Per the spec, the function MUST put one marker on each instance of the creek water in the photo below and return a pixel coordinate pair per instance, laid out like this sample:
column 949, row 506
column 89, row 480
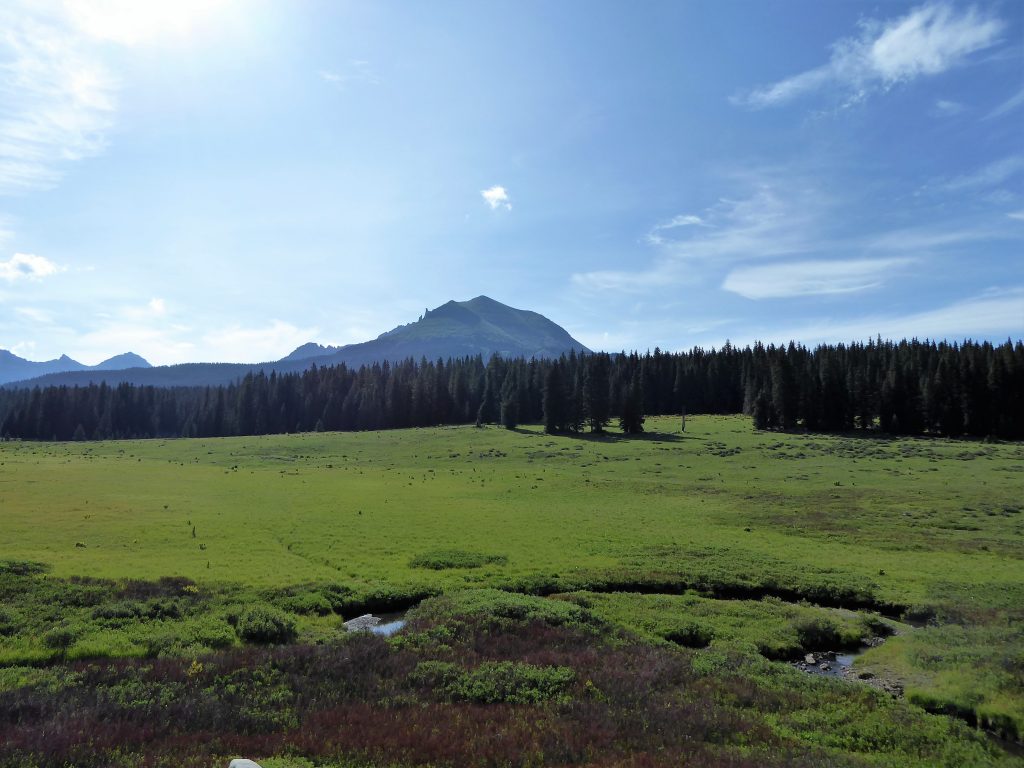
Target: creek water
column 836, row 664
column 389, row 623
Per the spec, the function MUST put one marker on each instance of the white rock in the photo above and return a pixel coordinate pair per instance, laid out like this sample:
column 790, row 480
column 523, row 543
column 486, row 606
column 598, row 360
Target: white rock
column 363, row 623
column 243, row 763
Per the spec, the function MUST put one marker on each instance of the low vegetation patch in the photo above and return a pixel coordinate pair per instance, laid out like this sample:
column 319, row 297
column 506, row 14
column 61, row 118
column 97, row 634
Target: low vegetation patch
column 537, row 688
column 441, row 559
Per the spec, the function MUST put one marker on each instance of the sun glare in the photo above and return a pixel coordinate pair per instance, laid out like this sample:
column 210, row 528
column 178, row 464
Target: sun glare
column 130, row 22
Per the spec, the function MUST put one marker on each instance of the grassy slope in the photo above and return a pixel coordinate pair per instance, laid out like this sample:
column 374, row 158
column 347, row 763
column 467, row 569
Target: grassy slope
column 286, row 509
column 916, row 521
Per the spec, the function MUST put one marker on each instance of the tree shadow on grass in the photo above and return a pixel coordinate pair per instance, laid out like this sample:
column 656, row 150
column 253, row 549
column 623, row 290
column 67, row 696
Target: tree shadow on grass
column 616, row 437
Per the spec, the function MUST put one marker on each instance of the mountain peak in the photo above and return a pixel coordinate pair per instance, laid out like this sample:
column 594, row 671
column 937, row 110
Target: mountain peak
column 480, row 326
column 122, row 361
column 14, row 368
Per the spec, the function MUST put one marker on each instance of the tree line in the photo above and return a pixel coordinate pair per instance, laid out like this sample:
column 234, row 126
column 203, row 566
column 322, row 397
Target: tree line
column 907, row 388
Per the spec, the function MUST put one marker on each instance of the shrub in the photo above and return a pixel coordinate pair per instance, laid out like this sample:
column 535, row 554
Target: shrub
column 307, row 603
column 512, row 682
column 124, row 609
column 60, row 638
column 163, row 609
column 691, row 635
column 500, row 606
column 502, row 682
column 214, row 635
column 8, row 623
column 262, row 624
column 817, row 633
column 442, row 559
column 23, row 567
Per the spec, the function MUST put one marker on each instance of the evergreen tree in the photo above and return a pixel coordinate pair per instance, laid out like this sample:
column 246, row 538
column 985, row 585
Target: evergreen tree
column 554, row 400
column 596, row 391
column 510, row 400
column 631, row 420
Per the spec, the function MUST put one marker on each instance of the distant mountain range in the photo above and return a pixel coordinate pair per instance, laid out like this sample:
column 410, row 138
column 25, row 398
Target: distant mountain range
column 480, row 326
column 14, row 368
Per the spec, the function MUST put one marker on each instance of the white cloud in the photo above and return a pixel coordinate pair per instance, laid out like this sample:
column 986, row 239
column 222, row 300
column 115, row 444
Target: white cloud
column 931, row 39
column 27, row 266
column 6, row 232
column 989, row 176
column 810, row 278
column 946, row 108
column 681, row 220
column 163, row 341
column 131, row 22
column 496, row 197
column 56, row 101
column 57, row 97
column 237, row 343
column 1007, row 106
column 624, row 282
column 158, row 306
column 775, row 218
column 357, row 71
column 35, row 314
column 930, row 238
column 1018, row 215
column 979, row 317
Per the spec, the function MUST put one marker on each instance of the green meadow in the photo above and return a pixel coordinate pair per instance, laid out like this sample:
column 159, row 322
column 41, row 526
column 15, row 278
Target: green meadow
column 720, row 538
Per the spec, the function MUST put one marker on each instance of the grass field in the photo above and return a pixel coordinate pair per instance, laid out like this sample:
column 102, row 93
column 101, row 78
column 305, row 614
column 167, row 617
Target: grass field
column 316, row 524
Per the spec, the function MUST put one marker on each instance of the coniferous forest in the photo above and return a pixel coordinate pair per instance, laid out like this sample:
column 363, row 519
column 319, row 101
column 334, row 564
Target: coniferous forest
column 905, row 388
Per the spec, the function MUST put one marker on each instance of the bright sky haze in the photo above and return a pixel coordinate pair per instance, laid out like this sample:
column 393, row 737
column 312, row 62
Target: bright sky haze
column 204, row 180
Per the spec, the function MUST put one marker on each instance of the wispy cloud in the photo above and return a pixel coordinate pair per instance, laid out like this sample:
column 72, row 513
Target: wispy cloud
column 782, row 215
column 810, row 278
column 131, row 22
column 164, row 339
column 36, row 315
column 978, row 317
column 930, row 39
column 56, row 100
column 1018, row 215
column 1007, row 106
column 27, row 266
column 356, row 72
column 774, row 218
column 947, row 108
column 991, row 175
column 930, row 238
column 496, row 197
column 681, row 220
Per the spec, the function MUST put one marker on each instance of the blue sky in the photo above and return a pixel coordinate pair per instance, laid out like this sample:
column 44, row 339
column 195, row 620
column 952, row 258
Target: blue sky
column 218, row 180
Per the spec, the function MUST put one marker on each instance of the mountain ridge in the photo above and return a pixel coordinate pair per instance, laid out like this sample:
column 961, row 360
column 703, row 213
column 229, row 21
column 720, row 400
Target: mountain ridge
column 14, row 368
column 479, row 326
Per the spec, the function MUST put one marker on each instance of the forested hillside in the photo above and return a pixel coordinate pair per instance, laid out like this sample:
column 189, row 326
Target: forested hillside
column 899, row 388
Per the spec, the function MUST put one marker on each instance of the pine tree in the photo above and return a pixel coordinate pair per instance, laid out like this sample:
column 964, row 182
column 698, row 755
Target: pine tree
column 510, row 400
column 596, row 391
column 554, row 401
column 631, row 420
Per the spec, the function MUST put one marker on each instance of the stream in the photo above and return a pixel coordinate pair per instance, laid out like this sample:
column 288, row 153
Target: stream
column 835, row 664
